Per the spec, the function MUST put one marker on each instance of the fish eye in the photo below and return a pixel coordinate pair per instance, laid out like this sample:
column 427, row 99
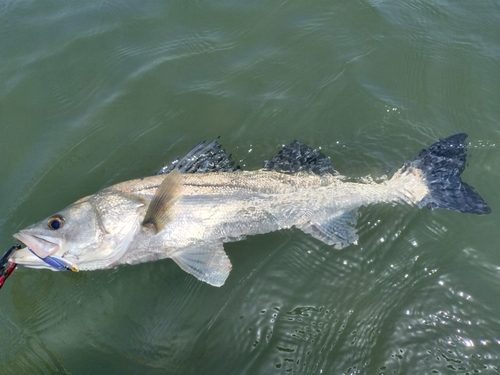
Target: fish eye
column 55, row 222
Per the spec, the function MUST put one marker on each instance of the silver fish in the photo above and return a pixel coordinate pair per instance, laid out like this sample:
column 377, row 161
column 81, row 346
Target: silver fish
column 197, row 203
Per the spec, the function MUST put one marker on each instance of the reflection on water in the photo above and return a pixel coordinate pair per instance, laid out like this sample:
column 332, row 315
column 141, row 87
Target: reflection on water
column 96, row 93
column 338, row 311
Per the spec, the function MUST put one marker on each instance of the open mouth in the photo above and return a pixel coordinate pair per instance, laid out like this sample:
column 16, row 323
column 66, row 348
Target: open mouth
column 38, row 254
column 42, row 246
column 27, row 258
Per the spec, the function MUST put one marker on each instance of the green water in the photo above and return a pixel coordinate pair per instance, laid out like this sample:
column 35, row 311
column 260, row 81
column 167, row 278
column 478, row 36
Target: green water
column 93, row 93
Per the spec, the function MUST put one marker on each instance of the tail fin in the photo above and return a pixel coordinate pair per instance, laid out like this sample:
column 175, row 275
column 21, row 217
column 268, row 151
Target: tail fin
column 442, row 164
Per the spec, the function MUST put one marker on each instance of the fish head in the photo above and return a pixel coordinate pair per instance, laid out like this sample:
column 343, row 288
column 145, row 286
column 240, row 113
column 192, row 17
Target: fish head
column 92, row 233
column 67, row 234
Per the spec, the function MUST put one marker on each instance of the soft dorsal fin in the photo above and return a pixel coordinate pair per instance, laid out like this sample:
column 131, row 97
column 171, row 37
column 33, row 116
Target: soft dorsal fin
column 160, row 210
column 208, row 262
column 201, row 159
column 299, row 157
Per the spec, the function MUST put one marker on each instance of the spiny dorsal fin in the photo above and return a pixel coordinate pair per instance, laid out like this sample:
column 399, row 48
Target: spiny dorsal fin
column 299, row 157
column 202, row 159
column 160, row 209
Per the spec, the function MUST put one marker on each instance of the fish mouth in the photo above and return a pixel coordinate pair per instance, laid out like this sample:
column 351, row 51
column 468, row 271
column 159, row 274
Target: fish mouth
column 39, row 251
column 42, row 246
column 28, row 259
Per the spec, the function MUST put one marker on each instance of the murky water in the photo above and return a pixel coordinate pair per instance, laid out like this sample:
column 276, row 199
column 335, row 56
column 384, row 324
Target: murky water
column 94, row 93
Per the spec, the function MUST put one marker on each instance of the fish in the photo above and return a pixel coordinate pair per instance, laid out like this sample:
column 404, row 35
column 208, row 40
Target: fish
column 192, row 206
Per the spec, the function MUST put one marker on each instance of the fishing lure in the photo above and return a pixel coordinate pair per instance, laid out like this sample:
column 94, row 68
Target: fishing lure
column 58, row 263
column 53, row 261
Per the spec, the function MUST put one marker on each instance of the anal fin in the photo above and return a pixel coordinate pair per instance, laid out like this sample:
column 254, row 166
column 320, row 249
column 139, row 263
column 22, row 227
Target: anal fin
column 338, row 231
column 207, row 262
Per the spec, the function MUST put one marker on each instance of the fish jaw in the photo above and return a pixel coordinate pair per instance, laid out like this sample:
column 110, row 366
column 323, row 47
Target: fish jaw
column 26, row 258
column 40, row 244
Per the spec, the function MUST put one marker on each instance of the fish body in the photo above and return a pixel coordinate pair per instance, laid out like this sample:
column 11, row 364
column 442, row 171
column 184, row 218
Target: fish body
column 188, row 216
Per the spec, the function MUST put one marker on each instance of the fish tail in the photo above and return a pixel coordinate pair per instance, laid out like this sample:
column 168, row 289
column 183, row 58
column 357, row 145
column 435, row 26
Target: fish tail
column 441, row 165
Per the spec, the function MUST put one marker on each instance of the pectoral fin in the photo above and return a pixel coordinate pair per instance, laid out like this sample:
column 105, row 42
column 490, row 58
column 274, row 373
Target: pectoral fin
column 207, row 262
column 160, row 210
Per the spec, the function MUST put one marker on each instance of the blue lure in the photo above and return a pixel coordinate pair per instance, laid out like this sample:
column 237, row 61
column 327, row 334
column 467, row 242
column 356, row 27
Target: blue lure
column 58, row 263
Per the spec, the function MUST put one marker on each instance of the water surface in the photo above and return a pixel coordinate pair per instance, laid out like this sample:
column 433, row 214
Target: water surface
column 93, row 93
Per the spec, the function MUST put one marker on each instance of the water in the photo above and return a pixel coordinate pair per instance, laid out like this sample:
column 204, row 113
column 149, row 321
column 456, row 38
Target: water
column 93, row 93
